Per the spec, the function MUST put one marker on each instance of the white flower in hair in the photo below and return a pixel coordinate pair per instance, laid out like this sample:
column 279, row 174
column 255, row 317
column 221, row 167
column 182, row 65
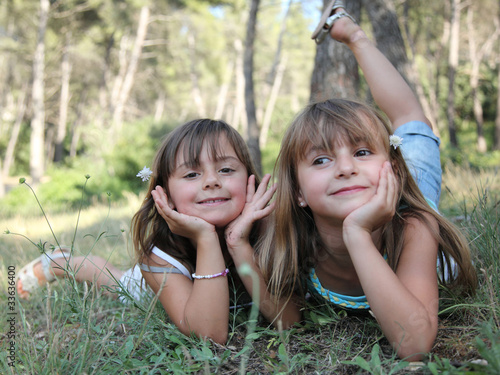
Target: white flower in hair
column 395, row 141
column 145, row 174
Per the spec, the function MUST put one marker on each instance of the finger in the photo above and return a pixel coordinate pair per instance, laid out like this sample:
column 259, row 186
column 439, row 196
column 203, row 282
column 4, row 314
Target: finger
column 265, row 182
column 394, row 193
column 265, row 211
column 263, row 192
column 250, row 188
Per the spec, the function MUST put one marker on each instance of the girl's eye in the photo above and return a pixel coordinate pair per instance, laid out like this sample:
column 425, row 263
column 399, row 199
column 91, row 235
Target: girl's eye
column 363, row 152
column 191, row 175
column 320, row 160
column 226, row 170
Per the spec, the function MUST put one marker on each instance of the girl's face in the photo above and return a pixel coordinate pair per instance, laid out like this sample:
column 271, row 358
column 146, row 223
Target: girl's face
column 213, row 190
column 334, row 183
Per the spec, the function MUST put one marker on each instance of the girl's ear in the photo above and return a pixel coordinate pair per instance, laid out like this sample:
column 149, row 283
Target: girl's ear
column 300, row 199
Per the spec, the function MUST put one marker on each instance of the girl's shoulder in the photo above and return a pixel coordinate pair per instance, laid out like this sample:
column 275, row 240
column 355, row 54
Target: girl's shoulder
column 159, row 261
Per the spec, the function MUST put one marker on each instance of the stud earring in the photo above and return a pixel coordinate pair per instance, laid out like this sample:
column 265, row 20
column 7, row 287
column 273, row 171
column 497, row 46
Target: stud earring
column 302, row 204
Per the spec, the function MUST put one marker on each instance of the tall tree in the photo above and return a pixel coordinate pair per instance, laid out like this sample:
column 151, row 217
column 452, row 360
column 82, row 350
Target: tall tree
column 387, row 33
column 37, row 158
column 456, row 7
column 335, row 71
column 253, row 127
column 496, row 142
column 128, row 79
column 64, row 100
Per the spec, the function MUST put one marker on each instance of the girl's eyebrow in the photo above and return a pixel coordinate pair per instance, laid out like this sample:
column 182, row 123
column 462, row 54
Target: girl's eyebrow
column 222, row 158
column 313, row 150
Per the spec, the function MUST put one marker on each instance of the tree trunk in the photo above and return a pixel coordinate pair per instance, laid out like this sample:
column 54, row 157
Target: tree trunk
column 64, row 100
column 37, row 160
column 452, row 69
column 266, row 124
column 414, row 76
column 496, row 141
column 104, row 95
column 239, row 112
column 75, row 129
column 128, row 81
column 224, row 88
column 387, row 33
column 335, row 72
column 193, row 74
column 9, row 153
column 253, row 128
column 160, row 106
column 476, row 58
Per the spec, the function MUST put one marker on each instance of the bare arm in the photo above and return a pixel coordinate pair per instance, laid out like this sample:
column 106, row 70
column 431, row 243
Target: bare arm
column 390, row 91
column 282, row 314
column 200, row 306
column 405, row 302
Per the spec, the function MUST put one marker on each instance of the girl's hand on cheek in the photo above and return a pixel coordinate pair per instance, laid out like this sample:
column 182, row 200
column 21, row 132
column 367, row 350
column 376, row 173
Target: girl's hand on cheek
column 183, row 225
column 256, row 208
column 380, row 208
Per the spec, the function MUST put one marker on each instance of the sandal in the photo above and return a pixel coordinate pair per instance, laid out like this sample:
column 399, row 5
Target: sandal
column 27, row 276
column 327, row 20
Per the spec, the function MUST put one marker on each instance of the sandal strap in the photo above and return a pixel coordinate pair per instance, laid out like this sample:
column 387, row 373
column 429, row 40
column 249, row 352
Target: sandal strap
column 329, row 23
column 46, row 259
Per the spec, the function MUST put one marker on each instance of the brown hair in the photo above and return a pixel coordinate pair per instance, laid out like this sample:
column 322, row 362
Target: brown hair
column 290, row 247
column 149, row 229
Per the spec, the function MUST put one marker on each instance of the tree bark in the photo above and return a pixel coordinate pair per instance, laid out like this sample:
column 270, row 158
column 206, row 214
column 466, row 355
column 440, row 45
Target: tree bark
column 37, row 160
column 128, row 80
column 239, row 110
column 414, row 76
column 193, row 74
column 224, row 88
column 9, row 153
column 253, row 128
column 335, row 73
column 64, row 101
column 266, row 124
column 496, row 141
column 476, row 57
column 387, row 34
column 452, row 69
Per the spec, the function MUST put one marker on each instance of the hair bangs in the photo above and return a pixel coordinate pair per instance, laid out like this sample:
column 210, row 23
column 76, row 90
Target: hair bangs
column 323, row 127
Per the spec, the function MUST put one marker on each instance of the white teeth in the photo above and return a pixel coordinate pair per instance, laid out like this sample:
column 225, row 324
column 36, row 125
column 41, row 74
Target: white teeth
column 214, row 201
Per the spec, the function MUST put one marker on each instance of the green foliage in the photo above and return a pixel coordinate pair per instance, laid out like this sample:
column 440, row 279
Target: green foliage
column 376, row 366
column 71, row 328
column 488, row 345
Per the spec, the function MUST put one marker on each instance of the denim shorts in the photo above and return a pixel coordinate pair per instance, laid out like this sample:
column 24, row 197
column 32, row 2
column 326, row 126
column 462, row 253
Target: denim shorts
column 421, row 151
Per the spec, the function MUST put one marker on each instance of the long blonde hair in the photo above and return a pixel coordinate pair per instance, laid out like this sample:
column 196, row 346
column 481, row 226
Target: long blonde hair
column 290, row 247
column 149, row 229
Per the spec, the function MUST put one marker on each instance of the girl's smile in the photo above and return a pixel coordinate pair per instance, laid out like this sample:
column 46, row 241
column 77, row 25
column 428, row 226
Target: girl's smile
column 333, row 183
column 349, row 190
column 213, row 190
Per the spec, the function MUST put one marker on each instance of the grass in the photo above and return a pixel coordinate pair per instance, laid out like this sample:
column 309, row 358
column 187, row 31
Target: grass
column 69, row 328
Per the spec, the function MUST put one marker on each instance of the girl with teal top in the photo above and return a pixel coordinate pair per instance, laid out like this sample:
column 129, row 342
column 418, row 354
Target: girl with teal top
column 351, row 224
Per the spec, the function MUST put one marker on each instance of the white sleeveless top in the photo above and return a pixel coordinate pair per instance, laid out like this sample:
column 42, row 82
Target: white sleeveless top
column 178, row 267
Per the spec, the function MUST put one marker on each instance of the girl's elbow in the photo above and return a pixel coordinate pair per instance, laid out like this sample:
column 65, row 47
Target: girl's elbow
column 416, row 348
column 218, row 337
column 413, row 353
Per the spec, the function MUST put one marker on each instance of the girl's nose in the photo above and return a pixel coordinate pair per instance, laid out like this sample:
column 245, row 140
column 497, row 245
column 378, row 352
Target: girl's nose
column 212, row 180
column 346, row 166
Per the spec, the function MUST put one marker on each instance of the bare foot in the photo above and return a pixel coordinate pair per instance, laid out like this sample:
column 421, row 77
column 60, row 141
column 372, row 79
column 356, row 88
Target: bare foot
column 345, row 30
column 39, row 274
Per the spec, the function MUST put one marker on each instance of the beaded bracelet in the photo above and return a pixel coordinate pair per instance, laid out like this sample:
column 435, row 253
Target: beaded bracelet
column 223, row 273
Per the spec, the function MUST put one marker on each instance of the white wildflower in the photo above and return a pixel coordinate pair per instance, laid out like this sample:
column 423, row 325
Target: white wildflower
column 145, row 174
column 395, row 141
